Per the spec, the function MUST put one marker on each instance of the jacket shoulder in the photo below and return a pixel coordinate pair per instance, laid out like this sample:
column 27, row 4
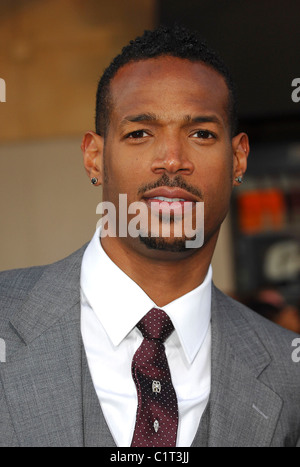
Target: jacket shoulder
column 278, row 342
column 262, row 326
column 17, row 284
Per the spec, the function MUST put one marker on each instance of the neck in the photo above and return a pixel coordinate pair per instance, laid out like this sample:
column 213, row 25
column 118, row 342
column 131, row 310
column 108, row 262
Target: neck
column 164, row 277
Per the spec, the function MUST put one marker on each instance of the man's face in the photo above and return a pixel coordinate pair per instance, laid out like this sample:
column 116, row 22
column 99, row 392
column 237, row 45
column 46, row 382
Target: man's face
column 169, row 138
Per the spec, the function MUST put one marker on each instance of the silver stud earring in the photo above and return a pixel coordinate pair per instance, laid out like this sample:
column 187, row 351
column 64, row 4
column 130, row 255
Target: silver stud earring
column 94, row 180
column 239, row 179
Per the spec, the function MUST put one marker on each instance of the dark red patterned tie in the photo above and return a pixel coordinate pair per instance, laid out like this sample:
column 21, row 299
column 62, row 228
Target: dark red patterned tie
column 157, row 412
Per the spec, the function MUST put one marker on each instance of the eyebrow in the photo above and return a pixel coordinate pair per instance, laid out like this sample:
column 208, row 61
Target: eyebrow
column 202, row 119
column 188, row 119
column 145, row 117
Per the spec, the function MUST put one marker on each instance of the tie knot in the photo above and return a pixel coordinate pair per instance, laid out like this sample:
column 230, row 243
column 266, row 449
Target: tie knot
column 156, row 324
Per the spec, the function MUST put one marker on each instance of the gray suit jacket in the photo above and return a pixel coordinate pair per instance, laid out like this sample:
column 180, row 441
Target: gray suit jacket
column 47, row 397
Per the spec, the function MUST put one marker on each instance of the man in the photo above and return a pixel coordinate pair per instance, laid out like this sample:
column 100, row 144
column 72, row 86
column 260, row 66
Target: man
column 84, row 366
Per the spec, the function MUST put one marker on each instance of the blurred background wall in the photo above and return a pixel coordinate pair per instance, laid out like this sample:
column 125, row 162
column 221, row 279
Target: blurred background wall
column 52, row 54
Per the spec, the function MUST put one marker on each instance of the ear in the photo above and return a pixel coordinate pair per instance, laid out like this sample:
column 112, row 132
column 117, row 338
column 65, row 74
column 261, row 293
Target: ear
column 92, row 150
column 241, row 149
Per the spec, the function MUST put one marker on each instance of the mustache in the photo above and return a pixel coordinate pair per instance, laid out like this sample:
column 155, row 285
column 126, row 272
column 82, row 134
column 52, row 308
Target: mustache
column 176, row 182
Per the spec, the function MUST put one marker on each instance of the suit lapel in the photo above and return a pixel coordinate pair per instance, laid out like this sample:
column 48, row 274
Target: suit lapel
column 243, row 411
column 42, row 377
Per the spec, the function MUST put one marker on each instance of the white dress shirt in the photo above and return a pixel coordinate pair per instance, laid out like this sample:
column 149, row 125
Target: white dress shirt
column 111, row 306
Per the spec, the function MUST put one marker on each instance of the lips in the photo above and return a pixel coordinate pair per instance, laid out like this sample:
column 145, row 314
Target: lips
column 169, row 195
column 167, row 199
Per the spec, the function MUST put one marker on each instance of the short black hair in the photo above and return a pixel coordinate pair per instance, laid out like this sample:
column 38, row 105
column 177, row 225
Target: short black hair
column 175, row 41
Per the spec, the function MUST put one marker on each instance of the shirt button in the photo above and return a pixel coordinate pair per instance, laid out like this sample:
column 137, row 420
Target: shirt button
column 156, row 426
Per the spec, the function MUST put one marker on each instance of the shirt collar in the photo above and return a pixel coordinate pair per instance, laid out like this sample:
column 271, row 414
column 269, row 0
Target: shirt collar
column 115, row 298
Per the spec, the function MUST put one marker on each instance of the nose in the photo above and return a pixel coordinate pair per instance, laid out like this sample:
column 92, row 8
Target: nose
column 172, row 157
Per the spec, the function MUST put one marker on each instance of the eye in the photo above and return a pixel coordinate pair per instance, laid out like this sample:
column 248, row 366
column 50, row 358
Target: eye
column 203, row 134
column 137, row 134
